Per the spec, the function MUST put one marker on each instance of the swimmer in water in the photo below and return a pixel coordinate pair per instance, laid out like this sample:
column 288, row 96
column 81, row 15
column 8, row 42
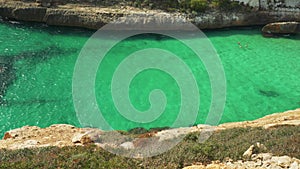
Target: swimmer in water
column 239, row 43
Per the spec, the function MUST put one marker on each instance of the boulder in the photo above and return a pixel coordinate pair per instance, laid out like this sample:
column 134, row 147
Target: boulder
column 90, row 136
column 281, row 28
column 282, row 161
column 294, row 165
column 248, row 153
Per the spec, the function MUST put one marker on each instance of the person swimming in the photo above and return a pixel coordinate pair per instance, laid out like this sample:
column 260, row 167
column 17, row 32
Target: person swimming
column 241, row 46
column 239, row 43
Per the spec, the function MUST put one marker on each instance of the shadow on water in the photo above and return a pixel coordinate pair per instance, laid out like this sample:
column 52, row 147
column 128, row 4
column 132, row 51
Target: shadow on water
column 269, row 93
column 52, row 30
column 29, row 102
column 8, row 72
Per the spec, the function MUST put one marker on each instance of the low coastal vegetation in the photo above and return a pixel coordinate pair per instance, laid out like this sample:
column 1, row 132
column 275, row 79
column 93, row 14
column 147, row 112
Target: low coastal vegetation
column 188, row 5
column 193, row 5
column 168, row 5
column 224, row 144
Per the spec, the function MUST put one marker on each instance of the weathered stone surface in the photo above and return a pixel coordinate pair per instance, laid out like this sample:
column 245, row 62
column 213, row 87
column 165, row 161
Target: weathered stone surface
column 26, row 144
column 68, row 135
column 260, row 147
column 277, row 119
column 32, row 136
column 282, row 28
column 263, row 156
column 90, row 136
column 294, row 165
column 19, row 132
column 283, row 161
column 54, row 12
column 36, row 14
column 127, row 145
column 248, row 153
column 173, row 133
column 278, row 163
column 283, row 123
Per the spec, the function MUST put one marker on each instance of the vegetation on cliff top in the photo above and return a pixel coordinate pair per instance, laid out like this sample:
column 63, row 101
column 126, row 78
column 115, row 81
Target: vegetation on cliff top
column 180, row 5
column 228, row 143
column 168, row 5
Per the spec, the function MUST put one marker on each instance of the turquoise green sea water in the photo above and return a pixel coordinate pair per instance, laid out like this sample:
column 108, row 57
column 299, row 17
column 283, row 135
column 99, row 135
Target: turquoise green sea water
column 262, row 76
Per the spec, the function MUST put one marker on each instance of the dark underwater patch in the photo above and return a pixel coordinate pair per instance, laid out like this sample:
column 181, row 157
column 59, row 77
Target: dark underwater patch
column 269, row 93
column 7, row 71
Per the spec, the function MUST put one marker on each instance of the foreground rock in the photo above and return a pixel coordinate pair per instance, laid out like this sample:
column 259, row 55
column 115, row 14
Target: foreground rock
column 261, row 161
column 282, row 28
column 67, row 135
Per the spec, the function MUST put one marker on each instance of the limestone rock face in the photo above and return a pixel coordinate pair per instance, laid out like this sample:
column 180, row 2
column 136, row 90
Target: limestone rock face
column 87, row 15
column 282, row 28
column 36, row 14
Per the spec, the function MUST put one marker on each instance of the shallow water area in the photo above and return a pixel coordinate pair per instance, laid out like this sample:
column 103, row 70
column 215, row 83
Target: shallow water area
column 262, row 75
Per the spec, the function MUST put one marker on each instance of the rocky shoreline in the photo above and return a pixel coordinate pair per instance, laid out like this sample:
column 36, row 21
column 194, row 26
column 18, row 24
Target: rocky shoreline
column 94, row 17
column 66, row 135
column 61, row 135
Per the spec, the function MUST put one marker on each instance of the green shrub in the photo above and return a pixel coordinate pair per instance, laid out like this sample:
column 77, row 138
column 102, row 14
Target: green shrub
column 199, row 5
column 228, row 5
column 184, row 4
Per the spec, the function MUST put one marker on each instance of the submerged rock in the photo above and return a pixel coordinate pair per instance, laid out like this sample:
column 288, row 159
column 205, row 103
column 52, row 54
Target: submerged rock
column 269, row 93
column 6, row 76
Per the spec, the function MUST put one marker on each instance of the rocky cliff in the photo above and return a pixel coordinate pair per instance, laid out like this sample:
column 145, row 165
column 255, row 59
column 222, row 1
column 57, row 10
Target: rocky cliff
column 93, row 17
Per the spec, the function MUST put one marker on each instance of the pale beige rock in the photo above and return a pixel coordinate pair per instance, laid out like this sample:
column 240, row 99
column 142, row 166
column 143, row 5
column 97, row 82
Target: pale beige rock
column 261, row 147
column 127, row 145
column 251, row 164
column 291, row 117
column 283, row 161
column 173, row 133
column 213, row 166
column 283, row 123
column 195, row 167
column 263, row 156
column 90, row 136
column 248, row 152
column 55, row 135
column 294, row 165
